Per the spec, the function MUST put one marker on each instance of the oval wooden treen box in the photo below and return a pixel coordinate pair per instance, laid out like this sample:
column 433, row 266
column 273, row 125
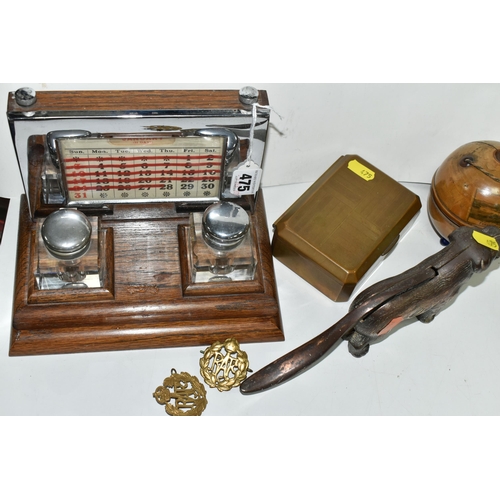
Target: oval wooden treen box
column 465, row 189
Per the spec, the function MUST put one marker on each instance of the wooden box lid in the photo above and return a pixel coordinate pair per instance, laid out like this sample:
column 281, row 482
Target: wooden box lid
column 342, row 225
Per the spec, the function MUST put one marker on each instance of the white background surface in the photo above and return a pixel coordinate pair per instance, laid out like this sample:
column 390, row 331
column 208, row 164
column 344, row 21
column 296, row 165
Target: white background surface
column 448, row 367
column 356, row 41
column 421, row 370
column 407, row 130
column 392, row 379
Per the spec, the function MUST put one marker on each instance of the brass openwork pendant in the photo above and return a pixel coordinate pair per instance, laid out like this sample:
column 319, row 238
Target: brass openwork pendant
column 224, row 365
column 182, row 394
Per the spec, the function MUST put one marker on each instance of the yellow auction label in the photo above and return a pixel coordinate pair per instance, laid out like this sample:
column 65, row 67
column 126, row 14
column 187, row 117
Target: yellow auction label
column 485, row 240
column 359, row 169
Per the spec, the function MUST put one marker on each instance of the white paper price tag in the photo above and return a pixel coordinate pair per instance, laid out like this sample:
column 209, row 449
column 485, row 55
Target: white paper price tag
column 246, row 179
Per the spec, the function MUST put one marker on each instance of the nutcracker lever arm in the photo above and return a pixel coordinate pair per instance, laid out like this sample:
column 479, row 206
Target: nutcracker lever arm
column 310, row 353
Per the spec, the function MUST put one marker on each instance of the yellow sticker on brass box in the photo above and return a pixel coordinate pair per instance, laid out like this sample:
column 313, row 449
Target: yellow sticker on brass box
column 359, row 169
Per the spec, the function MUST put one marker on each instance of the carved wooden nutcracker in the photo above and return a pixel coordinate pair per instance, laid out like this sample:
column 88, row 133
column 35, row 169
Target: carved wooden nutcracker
column 420, row 292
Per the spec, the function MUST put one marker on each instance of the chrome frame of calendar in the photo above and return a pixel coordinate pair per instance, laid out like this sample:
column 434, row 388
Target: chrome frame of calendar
column 234, row 125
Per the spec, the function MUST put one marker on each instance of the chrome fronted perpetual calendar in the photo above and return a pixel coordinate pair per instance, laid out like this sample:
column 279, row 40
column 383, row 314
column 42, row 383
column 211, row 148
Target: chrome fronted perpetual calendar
column 97, row 170
column 125, row 199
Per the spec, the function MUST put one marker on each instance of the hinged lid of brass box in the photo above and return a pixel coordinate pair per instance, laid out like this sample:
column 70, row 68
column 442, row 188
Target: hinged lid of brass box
column 342, row 225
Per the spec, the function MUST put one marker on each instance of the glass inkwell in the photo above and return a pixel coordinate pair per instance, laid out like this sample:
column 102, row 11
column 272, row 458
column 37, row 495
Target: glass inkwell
column 221, row 245
column 68, row 251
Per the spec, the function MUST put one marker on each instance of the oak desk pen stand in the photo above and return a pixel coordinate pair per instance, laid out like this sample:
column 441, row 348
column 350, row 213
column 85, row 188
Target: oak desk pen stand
column 117, row 187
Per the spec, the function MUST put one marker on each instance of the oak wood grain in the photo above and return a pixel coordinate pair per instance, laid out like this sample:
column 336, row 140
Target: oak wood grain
column 146, row 299
column 133, row 100
column 145, row 306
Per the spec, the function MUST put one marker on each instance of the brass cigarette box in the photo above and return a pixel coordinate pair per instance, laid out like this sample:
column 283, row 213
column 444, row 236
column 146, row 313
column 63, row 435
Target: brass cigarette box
column 346, row 222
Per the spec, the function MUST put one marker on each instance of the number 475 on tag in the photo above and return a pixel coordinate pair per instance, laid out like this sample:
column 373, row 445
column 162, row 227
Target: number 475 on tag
column 246, row 180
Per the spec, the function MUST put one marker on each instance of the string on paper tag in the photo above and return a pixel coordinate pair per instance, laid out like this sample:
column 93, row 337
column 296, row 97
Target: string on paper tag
column 247, row 175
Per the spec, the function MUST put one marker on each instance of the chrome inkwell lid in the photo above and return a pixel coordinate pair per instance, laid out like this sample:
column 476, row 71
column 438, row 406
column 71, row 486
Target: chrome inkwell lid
column 224, row 226
column 66, row 234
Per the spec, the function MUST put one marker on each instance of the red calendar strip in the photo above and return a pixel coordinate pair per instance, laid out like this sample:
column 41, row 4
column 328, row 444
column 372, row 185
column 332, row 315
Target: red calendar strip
column 119, row 187
column 140, row 158
column 135, row 166
column 141, row 174
column 83, row 179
